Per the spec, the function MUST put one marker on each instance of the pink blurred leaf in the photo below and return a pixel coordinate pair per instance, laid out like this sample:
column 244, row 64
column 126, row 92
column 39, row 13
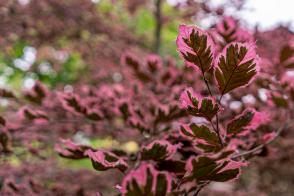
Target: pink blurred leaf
column 104, row 160
column 146, row 180
column 37, row 93
column 69, row 149
column 30, row 114
column 230, row 31
column 158, row 150
column 72, row 103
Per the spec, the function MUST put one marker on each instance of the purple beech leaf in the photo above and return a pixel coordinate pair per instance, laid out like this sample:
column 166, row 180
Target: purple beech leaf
column 229, row 29
column 231, row 171
column 30, row 114
column 154, row 63
column 124, row 109
column 278, row 100
column 227, row 26
column 202, row 169
column 146, row 180
column 202, row 136
column 287, row 56
column 137, row 123
column 71, row 150
column 103, row 160
column 6, row 93
column 37, row 93
column 94, row 115
column 72, row 103
column 196, row 47
column 199, row 106
column 240, row 123
column 158, row 150
column 236, row 66
column 249, row 119
column 5, row 141
column 186, row 148
column 173, row 166
column 2, row 121
column 132, row 61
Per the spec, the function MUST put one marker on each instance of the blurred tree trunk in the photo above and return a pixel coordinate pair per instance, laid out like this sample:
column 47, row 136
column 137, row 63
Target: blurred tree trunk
column 158, row 27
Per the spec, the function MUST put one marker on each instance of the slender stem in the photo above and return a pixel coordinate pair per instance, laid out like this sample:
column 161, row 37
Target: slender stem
column 200, row 188
column 217, row 119
column 262, row 145
column 198, row 191
column 220, row 99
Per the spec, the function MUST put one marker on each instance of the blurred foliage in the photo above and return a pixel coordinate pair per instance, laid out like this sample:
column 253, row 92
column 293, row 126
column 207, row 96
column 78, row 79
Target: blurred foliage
column 15, row 68
column 99, row 143
column 141, row 23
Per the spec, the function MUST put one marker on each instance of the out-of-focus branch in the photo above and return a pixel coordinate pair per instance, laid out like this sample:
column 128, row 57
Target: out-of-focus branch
column 158, row 27
column 281, row 129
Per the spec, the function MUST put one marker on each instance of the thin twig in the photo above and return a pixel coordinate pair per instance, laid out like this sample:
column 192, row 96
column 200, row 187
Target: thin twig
column 217, row 121
column 262, row 145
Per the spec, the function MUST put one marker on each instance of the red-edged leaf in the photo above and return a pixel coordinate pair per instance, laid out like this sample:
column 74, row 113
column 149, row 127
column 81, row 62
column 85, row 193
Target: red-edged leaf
column 158, row 150
column 230, row 172
column 71, row 150
column 30, row 114
column 130, row 60
column 249, row 119
column 203, row 137
column 240, row 123
column 236, row 66
column 203, row 169
column 199, row 106
column 154, row 63
column 196, row 47
column 73, row 103
column 103, row 160
column 146, row 180
column 229, row 29
column 37, row 93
